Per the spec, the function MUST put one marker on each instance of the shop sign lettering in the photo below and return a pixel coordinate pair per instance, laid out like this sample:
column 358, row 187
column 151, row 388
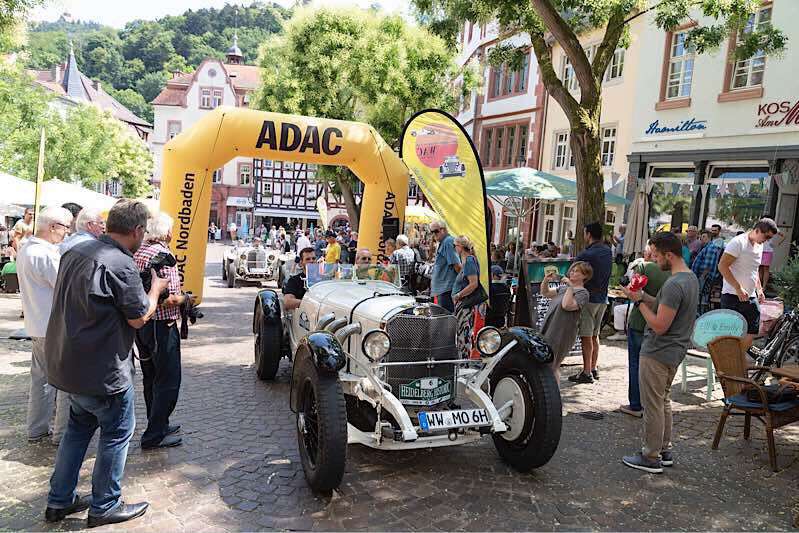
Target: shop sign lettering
column 656, row 128
column 776, row 114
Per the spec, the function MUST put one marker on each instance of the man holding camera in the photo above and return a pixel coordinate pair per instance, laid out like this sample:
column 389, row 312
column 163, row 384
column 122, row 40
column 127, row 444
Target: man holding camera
column 159, row 340
column 98, row 304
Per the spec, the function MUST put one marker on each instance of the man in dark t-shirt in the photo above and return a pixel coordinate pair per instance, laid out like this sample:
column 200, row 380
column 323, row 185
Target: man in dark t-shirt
column 98, row 303
column 294, row 288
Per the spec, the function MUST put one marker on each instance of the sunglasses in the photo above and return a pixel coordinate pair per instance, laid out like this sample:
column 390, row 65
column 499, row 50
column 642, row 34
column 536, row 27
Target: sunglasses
column 62, row 225
column 436, row 231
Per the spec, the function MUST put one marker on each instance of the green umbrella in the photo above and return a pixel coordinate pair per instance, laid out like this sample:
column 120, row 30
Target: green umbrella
column 526, row 182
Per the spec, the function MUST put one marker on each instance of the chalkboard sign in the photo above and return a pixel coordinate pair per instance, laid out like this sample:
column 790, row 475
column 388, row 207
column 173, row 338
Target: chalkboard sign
column 718, row 323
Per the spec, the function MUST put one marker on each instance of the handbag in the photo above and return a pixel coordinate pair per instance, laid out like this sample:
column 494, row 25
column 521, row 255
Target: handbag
column 774, row 394
column 477, row 297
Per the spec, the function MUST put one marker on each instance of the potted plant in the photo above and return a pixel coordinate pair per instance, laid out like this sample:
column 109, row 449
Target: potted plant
column 786, row 281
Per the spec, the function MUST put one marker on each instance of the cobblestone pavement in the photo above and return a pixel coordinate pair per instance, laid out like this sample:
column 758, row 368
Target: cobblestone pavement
column 238, row 468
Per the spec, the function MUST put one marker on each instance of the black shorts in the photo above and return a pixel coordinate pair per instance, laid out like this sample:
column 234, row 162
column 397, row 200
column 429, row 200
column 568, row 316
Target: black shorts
column 749, row 309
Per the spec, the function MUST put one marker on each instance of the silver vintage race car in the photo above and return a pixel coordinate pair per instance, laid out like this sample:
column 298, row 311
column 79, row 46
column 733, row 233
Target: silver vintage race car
column 374, row 366
column 248, row 261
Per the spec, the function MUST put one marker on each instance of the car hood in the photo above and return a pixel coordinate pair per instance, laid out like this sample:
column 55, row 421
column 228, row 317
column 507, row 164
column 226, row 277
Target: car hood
column 372, row 300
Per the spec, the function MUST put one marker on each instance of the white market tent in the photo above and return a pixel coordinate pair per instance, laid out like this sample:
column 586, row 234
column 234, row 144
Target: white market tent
column 18, row 191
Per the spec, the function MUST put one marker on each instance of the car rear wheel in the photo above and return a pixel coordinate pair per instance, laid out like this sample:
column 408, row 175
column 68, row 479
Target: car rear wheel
column 528, row 398
column 224, row 270
column 321, row 427
column 268, row 351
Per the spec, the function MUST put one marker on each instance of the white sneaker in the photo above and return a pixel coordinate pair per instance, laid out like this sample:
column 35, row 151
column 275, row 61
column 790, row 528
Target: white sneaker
column 619, row 336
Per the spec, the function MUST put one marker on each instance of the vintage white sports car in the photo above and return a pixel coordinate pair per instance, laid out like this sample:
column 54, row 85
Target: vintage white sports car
column 374, row 366
column 451, row 167
column 247, row 262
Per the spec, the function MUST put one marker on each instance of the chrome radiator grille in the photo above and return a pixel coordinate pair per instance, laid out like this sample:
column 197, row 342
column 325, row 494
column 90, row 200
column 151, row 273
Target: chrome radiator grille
column 419, row 338
column 256, row 259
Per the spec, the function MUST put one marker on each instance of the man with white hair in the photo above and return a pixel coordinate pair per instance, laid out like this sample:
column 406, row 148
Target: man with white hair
column 446, row 267
column 404, row 258
column 89, row 224
column 159, row 341
column 37, row 270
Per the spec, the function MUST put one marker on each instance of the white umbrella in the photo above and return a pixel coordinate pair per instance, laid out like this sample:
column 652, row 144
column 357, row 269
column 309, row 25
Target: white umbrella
column 638, row 219
column 57, row 192
column 16, row 190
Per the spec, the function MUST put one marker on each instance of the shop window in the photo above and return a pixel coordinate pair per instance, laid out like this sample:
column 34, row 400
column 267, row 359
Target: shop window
column 749, row 72
column 562, row 153
column 216, row 177
column 681, row 66
column 616, row 66
column 736, row 198
column 608, row 146
column 245, row 173
column 205, row 98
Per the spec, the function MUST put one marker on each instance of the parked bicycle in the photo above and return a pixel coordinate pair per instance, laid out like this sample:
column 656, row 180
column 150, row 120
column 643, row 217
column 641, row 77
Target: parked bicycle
column 781, row 347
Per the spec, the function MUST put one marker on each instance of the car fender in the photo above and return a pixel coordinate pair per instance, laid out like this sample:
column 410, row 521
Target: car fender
column 268, row 302
column 531, row 342
column 326, row 353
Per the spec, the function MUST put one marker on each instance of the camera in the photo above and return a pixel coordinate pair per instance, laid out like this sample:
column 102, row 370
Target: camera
column 624, row 281
column 158, row 262
column 189, row 313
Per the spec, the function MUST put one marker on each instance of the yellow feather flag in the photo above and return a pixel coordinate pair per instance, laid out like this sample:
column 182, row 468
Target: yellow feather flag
column 447, row 168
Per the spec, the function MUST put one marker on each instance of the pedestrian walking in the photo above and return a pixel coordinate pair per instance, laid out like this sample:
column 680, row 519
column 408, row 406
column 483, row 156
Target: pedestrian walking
column 739, row 267
column 636, row 325
column 446, row 268
column 212, row 232
column 599, row 256
column 89, row 341
column 303, row 241
column 232, row 229
column 466, row 283
column 159, row 341
column 670, row 320
column 37, row 271
column 352, row 245
column 559, row 329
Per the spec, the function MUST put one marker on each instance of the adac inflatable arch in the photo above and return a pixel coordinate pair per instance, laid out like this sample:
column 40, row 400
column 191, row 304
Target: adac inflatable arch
column 191, row 157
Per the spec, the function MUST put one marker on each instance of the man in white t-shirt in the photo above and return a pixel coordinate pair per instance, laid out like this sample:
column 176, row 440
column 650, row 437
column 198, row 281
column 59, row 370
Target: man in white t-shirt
column 37, row 269
column 739, row 266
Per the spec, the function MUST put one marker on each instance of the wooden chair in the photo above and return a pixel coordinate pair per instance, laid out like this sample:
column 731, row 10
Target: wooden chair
column 733, row 371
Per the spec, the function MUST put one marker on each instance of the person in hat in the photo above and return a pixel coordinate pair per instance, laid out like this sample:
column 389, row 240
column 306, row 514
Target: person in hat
column 333, row 252
column 500, row 297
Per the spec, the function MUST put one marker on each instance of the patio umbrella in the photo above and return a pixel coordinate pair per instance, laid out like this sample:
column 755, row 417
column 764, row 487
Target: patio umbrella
column 637, row 219
column 16, row 190
column 420, row 214
column 56, row 192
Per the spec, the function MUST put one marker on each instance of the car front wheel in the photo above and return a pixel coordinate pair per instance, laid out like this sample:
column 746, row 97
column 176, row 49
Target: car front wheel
column 321, row 427
column 267, row 348
column 231, row 275
column 224, row 270
column 528, row 398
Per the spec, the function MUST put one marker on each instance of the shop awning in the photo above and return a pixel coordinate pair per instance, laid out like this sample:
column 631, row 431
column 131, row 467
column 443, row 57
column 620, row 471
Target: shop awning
column 281, row 213
column 526, row 182
column 239, row 201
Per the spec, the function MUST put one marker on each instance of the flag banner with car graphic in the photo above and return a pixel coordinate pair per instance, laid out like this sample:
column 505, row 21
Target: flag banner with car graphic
column 447, row 168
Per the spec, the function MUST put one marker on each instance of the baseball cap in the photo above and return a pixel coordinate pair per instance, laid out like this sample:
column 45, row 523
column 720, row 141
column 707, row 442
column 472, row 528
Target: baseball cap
column 496, row 270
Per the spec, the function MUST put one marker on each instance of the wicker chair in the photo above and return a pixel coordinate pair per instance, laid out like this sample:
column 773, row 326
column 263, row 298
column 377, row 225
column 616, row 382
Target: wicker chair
column 733, row 371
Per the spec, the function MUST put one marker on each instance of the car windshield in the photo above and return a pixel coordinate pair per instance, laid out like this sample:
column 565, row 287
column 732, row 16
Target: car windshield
column 317, row 272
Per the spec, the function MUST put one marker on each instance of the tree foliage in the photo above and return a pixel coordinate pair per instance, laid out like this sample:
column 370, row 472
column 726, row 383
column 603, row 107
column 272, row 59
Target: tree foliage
column 355, row 65
column 562, row 21
column 83, row 144
column 142, row 55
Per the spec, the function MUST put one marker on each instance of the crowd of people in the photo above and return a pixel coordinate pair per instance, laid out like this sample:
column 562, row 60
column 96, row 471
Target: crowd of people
column 93, row 287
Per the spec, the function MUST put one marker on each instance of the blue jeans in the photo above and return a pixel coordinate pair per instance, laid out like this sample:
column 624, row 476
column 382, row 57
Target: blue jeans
column 115, row 417
column 159, row 346
column 634, row 340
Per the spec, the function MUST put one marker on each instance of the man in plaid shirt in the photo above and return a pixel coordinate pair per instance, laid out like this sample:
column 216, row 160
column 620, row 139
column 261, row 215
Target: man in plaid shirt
column 159, row 342
column 706, row 268
column 404, row 258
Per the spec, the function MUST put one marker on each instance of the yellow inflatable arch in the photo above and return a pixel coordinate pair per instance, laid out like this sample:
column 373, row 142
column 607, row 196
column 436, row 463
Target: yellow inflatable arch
column 191, row 157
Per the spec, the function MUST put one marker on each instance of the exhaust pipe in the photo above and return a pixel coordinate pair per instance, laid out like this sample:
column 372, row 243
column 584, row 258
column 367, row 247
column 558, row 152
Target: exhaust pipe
column 336, row 325
column 324, row 320
column 348, row 331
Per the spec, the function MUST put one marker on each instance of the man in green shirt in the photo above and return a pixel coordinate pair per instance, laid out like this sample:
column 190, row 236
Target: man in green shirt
column 636, row 326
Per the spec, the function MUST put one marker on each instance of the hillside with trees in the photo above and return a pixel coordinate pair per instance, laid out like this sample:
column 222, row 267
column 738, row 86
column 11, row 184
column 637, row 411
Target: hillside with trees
column 135, row 62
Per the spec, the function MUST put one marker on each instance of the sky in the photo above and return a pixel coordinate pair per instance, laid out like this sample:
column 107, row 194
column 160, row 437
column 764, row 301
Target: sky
column 117, row 14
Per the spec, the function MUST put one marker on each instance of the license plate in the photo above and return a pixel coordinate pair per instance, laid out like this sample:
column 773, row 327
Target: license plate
column 434, row 420
column 257, row 271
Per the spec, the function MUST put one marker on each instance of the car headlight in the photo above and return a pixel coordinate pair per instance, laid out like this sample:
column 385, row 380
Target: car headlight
column 489, row 341
column 376, row 345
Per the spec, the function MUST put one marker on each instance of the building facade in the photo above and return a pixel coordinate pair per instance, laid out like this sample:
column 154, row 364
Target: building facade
column 503, row 118
column 718, row 138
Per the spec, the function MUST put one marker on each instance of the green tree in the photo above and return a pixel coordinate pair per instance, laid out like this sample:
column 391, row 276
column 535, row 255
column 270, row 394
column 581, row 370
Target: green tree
column 102, row 57
column 146, row 40
column 151, row 84
column 563, row 21
column 355, row 65
column 133, row 101
column 12, row 12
